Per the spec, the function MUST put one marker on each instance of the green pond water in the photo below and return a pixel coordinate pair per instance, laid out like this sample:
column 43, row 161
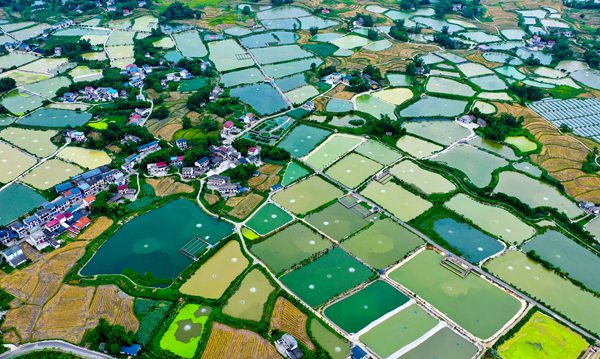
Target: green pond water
column 436, row 24
column 489, row 83
column 337, row 105
column 19, row 103
column 16, row 200
column 327, row 276
column 15, row 59
column 337, row 221
column 344, row 121
column 431, row 106
column 525, row 53
column 293, row 172
column 480, row 36
column 54, row 117
column 443, row 344
column 292, row 67
column 510, row 71
column 559, row 293
column 448, row 86
column 382, row 244
column 281, row 24
column 349, row 42
column 444, row 132
column 262, row 97
column 282, row 12
column 303, row 139
column 268, row 218
column 270, row 55
column 528, row 168
column 417, row 147
column 156, row 237
column 398, row 80
column 474, row 245
column 426, row 181
column 563, row 252
column 290, row 246
column 502, row 58
column 513, row 34
column 477, row 165
column 378, row 152
column 291, row 82
column 245, row 76
column 406, row 326
column 494, row 147
column 353, row 169
column 190, row 44
column 535, row 193
column 494, row 220
column 522, row 143
column 335, row 346
column 272, row 38
column 335, row 147
column 355, row 312
column 478, row 306
column 374, row 106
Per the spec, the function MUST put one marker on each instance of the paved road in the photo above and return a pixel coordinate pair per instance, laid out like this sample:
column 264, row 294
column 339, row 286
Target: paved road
column 57, row 345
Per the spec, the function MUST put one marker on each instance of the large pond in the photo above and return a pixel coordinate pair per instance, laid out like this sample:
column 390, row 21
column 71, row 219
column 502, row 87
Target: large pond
column 157, row 237
column 431, row 106
column 448, row 86
column 190, row 44
column 489, row 83
column 473, row 244
column 374, row 106
column 444, row 132
column 563, row 252
column 246, row 76
column 443, row 344
column 262, row 97
column 303, row 139
column 17, row 200
column 426, row 181
column 477, row 165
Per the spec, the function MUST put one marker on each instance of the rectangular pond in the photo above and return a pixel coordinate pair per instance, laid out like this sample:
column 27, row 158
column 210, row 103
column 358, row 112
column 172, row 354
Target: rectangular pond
column 190, row 44
column 443, row 344
column 307, row 195
column 13, row 162
column 430, row 106
column 425, row 181
column 302, row 139
column 270, row 55
column 335, row 147
column 337, row 221
column 378, row 152
column 263, row 98
column 53, row 117
column 353, row 169
column 267, row 219
column 398, row 201
column 17, row 199
column 156, row 237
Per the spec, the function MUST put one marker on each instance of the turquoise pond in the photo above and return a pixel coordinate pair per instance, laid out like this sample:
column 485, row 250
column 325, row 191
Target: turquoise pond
column 474, row 245
column 151, row 243
column 337, row 105
column 54, row 117
column 16, row 200
column 303, row 139
column 262, row 97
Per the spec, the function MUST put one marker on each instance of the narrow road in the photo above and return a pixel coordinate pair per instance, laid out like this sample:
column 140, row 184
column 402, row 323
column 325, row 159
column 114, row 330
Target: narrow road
column 57, row 345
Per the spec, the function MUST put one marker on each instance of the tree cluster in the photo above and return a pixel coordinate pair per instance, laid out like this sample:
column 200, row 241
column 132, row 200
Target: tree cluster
column 179, row 11
column 590, row 165
column 525, row 92
column 367, row 20
column 7, row 83
column 241, row 173
column 385, row 127
column 497, row 128
column 114, row 336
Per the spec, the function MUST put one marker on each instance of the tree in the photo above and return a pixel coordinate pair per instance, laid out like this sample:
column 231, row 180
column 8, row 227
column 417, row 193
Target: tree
column 198, row 99
column 199, row 150
column 532, row 61
column 564, row 128
column 275, row 154
column 114, row 336
column 246, row 10
column 385, row 127
column 498, row 127
column 590, row 165
column 242, row 173
column 373, row 72
column 561, row 49
column 7, row 83
column 208, row 125
column 592, row 57
column 442, row 8
column 186, row 123
column 327, row 70
column 243, row 144
column 525, row 92
column 372, row 35
column 178, row 11
column 161, row 113
column 313, row 30
column 409, row 4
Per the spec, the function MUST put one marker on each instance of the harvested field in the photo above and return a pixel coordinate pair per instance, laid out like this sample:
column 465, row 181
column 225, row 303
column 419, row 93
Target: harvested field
column 166, row 186
column 97, row 228
column 247, row 204
column 211, row 198
column 227, row 342
column 267, row 178
column 286, row 317
column 45, row 308
column 393, row 58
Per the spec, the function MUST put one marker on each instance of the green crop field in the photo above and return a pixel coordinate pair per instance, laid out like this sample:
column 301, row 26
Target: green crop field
column 184, row 333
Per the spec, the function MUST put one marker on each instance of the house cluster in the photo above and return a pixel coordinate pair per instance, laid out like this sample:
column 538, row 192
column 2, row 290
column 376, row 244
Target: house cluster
column 138, row 115
column 182, row 74
column 471, row 119
column 215, row 94
column 89, row 93
column 222, row 157
column 63, row 24
column 536, row 43
column 223, row 185
column 142, row 151
column 287, row 346
column 136, row 74
column 590, row 207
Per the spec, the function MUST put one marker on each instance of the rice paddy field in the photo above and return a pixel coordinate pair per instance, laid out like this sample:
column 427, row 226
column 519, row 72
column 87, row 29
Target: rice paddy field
column 184, row 332
column 582, row 307
column 494, row 220
column 302, row 139
column 444, row 343
column 292, row 173
column 477, row 165
column 248, row 301
column 50, row 173
column 407, row 325
column 535, row 193
column 13, row 162
column 378, row 152
column 53, row 117
column 543, row 337
column 84, row 157
column 35, row 142
column 268, row 218
column 325, row 277
column 353, row 169
column 355, row 312
column 290, row 246
column 398, row 201
column 444, row 132
column 332, row 149
column 426, row 181
column 11, row 209
column 466, row 301
column 578, row 262
column 417, row 147
column 337, row 221
column 335, row 346
column 307, row 195
column 382, row 244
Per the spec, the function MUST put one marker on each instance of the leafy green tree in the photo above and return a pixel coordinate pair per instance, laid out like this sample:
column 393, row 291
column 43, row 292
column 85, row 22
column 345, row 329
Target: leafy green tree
column 246, row 10
column 179, row 11
column 373, row 35
column 7, row 83
column 314, row 30
column 161, row 113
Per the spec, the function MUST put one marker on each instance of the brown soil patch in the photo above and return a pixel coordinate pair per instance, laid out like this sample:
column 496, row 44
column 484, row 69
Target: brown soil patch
column 246, row 206
column 255, row 181
column 270, row 169
column 100, row 225
column 114, row 149
column 227, row 342
column 166, row 186
column 169, row 130
column 286, row 317
column 45, row 308
column 211, row 198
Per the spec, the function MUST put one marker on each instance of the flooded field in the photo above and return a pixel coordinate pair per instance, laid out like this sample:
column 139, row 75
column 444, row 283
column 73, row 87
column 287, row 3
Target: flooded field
column 228, row 55
column 337, row 221
column 491, row 219
column 217, row 273
column 356, row 311
column 382, row 244
column 400, row 202
column 156, row 237
column 494, row 147
column 190, row 44
column 50, row 173
column 426, row 181
column 13, row 162
column 248, row 301
column 327, row 276
column 11, row 209
column 307, row 195
column 522, row 143
column 19, row 102
column 290, row 246
column 267, row 219
column 514, row 267
column 395, row 96
column 464, row 300
column 35, row 142
column 332, row 149
column 475, row 164
column 353, row 169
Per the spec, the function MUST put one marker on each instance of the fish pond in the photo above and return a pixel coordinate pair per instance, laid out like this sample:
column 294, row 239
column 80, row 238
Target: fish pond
column 12, row 209
column 13, row 162
column 467, row 301
column 332, row 149
column 53, row 117
column 417, row 147
column 382, row 244
column 156, row 237
column 292, row 173
column 307, row 195
column 443, row 344
column 353, row 169
column 448, row 86
column 190, row 44
column 477, row 165
column 444, row 132
column 262, row 97
column 376, row 151
column 269, row 218
column 401, row 203
column 426, row 181
column 430, row 106
column 249, row 300
column 302, row 139
column 374, row 106
column 333, row 344
column 337, row 221
column 327, row 276
column 184, row 332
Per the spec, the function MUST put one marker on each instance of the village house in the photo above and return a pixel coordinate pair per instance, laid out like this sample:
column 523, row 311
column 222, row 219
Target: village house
column 203, row 164
column 215, row 94
column 287, row 346
column 191, row 172
column 14, row 256
column 130, row 162
column 182, row 144
column 223, row 185
column 148, row 148
column 248, row 118
column 130, row 138
column 76, row 136
column 176, row 161
column 158, row 169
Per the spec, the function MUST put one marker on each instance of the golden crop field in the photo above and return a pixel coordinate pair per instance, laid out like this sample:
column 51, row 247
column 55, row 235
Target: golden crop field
column 100, row 225
column 286, row 317
column 166, row 186
column 227, row 342
column 248, row 203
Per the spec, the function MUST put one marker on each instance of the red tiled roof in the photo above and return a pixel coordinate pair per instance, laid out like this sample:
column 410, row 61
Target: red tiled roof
column 228, row 124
